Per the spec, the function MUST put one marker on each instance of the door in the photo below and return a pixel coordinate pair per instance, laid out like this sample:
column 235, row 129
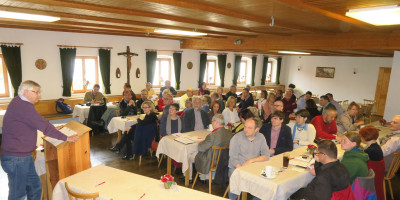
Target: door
column 382, row 88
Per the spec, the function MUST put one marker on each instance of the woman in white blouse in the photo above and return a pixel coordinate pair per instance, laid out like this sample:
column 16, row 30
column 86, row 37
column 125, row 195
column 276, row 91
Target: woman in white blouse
column 261, row 101
column 230, row 113
column 302, row 133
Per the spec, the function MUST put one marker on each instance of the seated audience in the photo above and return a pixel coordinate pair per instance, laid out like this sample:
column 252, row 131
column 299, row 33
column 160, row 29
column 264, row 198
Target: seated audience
column 167, row 99
column 296, row 91
column 312, row 108
column 169, row 87
column 161, row 105
column 243, row 116
column 278, row 135
column 268, row 106
column 278, row 95
column 219, row 137
column 182, row 100
column 127, row 106
column 129, row 133
column 369, row 136
column 188, row 105
column 336, row 104
column 247, row 147
column 215, row 109
column 203, row 90
column 220, row 90
column 128, row 86
column 301, row 102
column 149, row 88
column 143, row 97
column 254, row 110
column 195, row 119
column 232, row 92
column 206, row 101
column 391, row 143
column 246, row 99
column 325, row 125
column 215, row 97
column 261, row 102
column 348, row 121
column 354, row 159
column 230, row 113
column 324, row 102
column 289, row 104
column 278, row 105
column 172, row 123
column 330, row 175
column 303, row 133
column 94, row 96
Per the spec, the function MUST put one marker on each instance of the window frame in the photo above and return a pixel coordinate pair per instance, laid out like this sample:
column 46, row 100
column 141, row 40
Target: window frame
column 84, row 72
column 5, row 73
column 215, row 72
column 245, row 72
column 159, row 71
column 272, row 71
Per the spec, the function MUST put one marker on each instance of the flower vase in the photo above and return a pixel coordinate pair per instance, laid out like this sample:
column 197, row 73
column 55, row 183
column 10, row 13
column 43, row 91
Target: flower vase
column 167, row 186
column 312, row 152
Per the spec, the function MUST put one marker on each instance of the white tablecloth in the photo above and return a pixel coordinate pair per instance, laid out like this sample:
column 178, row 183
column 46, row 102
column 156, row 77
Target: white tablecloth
column 120, row 184
column 118, row 123
column 248, row 178
column 83, row 111
column 178, row 151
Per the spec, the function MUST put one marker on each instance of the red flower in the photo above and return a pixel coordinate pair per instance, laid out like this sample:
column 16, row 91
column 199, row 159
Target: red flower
column 170, row 179
column 164, row 180
column 167, row 176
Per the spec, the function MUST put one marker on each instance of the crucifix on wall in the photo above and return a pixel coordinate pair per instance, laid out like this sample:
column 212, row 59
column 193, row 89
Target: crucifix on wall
column 128, row 54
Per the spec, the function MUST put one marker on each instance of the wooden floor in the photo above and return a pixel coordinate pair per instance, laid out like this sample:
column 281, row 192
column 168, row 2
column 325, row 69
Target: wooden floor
column 101, row 155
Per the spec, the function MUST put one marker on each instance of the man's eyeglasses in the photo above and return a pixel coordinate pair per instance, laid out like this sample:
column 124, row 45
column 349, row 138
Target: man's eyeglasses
column 319, row 153
column 37, row 92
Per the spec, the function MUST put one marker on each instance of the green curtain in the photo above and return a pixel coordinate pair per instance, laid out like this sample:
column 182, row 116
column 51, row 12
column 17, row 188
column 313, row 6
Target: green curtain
column 177, row 66
column 203, row 65
column 67, row 57
column 221, row 68
column 264, row 70
column 253, row 69
column 278, row 70
column 151, row 59
column 236, row 69
column 104, row 57
column 12, row 59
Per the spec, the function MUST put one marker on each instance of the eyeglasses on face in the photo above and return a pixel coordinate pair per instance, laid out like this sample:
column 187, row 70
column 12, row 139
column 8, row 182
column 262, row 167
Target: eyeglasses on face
column 37, row 92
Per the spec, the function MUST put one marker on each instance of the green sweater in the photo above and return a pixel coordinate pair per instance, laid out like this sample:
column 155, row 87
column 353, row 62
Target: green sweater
column 355, row 161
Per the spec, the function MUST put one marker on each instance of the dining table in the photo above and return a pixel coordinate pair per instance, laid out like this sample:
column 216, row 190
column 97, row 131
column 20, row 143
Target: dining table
column 82, row 111
column 118, row 124
column 122, row 185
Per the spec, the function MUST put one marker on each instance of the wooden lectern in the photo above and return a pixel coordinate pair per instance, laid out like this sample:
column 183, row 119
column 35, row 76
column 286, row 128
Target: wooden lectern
column 66, row 158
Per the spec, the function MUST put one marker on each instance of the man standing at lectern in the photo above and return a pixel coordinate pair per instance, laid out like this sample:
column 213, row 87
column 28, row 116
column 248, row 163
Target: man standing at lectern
column 21, row 123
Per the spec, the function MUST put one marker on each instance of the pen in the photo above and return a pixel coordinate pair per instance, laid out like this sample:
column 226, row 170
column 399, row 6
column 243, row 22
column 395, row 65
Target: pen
column 100, row 183
column 142, row 196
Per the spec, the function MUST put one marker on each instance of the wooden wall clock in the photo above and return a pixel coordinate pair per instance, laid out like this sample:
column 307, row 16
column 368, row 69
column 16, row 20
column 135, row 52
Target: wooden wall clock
column 189, row 65
column 118, row 73
column 40, row 64
column 137, row 73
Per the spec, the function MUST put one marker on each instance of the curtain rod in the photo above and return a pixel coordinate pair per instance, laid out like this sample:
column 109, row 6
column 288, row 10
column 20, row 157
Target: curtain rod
column 84, row 47
column 176, row 51
column 8, row 43
column 243, row 54
column 209, row 52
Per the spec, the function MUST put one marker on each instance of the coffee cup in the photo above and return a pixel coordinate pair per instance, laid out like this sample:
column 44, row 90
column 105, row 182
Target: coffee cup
column 268, row 171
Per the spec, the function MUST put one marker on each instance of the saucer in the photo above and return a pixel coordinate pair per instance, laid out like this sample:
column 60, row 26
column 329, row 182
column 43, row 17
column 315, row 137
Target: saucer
column 273, row 175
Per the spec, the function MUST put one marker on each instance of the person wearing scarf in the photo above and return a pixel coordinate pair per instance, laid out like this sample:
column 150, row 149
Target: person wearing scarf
column 303, row 133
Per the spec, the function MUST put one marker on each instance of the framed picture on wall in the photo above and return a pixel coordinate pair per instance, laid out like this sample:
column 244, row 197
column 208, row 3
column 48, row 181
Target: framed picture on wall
column 325, row 72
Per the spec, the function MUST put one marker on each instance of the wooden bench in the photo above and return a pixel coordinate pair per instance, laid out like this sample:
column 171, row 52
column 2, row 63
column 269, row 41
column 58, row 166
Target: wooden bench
column 47, row 108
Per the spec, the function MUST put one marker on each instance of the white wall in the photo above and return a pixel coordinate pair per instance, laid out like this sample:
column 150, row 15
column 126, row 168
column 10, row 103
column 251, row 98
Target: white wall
column 392, row 105
column 43, row 44
column 345, row 84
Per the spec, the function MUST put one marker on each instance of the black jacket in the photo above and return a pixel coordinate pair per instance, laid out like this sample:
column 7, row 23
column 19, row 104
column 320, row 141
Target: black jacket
column 246, row 103
column 189, row 120
column 126, row 110
column 285, row 141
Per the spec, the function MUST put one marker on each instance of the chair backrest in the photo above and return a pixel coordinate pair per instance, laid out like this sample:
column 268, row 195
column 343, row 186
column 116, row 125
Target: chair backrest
column 215, row 160
column 394, row 166
column 367, row 102
column 75, row 195
column 346, row 102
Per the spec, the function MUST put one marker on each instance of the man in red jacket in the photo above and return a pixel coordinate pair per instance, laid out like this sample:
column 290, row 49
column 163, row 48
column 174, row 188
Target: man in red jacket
column 325, row 125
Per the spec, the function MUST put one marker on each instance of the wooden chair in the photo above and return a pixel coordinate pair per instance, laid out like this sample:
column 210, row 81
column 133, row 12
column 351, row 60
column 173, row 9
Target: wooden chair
column 340, row 102
column 346, row 102
column 394, row 166
column 366, row 101
column 214, row 165
column 75, row 195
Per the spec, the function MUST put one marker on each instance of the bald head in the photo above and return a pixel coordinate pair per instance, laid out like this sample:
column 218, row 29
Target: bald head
column 395, row 124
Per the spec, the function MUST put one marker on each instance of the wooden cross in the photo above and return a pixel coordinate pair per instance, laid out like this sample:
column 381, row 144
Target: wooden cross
column 128, row 54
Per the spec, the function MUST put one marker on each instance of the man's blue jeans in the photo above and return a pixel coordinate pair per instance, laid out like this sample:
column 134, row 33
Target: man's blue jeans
column 22, row 177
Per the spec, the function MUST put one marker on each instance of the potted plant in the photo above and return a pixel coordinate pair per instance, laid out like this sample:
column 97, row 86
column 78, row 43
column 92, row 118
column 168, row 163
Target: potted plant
column 168, row 181
column 311, row 149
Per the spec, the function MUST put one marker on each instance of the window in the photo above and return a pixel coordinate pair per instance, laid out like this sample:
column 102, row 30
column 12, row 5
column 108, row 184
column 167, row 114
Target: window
column 86, row 73
column 242, row 72
column 4, row 87
column 268, row 77
column 210, row 75
column 163, row 72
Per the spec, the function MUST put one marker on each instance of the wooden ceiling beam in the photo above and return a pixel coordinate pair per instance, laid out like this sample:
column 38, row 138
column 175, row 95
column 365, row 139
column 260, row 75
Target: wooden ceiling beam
column 236, row 14
column 346, row 41
column 115, row 20
column 300, row 5
column 133, row 12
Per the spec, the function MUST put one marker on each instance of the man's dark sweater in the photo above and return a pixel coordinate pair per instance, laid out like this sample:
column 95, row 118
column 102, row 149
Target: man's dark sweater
column 21, row 123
